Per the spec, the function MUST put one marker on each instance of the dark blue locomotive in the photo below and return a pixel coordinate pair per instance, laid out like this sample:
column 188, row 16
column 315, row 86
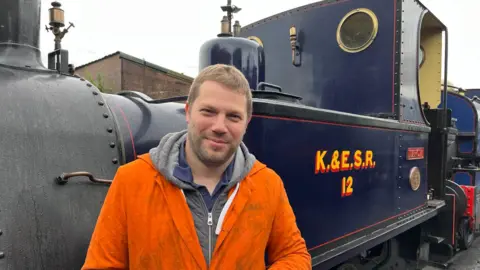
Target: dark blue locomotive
column 379, row 161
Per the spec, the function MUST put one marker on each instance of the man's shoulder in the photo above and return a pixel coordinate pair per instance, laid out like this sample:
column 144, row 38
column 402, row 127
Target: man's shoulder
column 262, row 174
column 141, row 167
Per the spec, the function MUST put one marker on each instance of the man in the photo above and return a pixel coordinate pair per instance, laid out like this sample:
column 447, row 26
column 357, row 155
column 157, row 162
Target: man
column 200, row 200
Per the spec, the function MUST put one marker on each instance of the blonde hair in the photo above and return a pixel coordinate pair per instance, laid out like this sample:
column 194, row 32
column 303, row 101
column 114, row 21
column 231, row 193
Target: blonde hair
column 226, row 75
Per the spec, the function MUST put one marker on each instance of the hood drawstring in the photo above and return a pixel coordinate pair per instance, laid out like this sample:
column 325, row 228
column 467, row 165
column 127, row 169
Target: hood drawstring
column 224, row 210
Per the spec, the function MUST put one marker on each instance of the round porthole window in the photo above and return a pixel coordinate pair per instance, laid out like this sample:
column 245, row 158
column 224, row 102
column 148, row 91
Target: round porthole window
column 357, row 30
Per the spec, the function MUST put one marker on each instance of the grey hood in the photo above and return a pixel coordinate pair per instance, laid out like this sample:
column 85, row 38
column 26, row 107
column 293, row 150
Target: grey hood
column 165, row 159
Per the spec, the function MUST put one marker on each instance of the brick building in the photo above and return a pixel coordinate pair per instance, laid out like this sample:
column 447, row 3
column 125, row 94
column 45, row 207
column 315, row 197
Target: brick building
column 120, row 71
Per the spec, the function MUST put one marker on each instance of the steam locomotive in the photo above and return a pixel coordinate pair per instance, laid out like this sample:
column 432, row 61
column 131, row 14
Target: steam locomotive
column 379, row 159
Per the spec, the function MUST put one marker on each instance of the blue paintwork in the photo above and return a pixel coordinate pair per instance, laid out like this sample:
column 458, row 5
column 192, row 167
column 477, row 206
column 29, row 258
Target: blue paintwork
column 472, row 92
column 322, row 214
column 462, row 110
column 365, row 83
column 246, row 55
column 466, row 113
column 330, row 78
column 463, row 178
column 379, row 81
column 406, row 198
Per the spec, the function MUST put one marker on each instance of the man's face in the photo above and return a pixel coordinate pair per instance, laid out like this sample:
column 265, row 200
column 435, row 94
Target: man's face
column 217, row 121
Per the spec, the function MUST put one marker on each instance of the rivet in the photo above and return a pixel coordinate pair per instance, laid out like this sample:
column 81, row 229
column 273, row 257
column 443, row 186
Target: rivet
column 105, row 115
column 1, row 232
column 109, row 130
column 100, row 103
column 2, row 254
column 112, row 144
column 114, row 161
column 94, row 93
column 82, row 79
column 89, row 85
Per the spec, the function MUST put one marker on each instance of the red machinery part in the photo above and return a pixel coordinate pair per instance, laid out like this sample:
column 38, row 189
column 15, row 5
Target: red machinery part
column 470, row 211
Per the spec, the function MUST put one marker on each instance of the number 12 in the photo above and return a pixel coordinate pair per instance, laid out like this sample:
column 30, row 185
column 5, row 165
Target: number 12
column 347, row 188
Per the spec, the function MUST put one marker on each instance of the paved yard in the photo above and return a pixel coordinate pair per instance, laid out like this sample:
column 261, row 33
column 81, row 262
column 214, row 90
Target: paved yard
column 466, row 260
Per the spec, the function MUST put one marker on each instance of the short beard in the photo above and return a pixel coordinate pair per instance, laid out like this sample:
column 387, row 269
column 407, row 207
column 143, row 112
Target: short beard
column 204, row 157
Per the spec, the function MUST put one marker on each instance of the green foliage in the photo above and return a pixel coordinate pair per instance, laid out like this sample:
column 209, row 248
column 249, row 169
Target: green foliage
column 99, row 82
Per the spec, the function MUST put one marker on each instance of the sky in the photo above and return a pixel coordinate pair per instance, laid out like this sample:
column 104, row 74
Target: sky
column 170, row 33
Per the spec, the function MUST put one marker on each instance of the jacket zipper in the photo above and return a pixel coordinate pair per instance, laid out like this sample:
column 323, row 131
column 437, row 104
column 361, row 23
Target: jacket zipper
column 210, row 224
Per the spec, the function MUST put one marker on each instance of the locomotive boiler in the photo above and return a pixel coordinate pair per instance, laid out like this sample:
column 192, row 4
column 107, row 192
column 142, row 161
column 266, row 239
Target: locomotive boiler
column 62, row 141
column 379, row 161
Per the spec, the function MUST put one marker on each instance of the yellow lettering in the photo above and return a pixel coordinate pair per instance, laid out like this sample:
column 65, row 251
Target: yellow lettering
column 347, row 183
column 368, row 159
column 319, row 164
column 345, row 166
column 341, row 160
column 334, row 163
column 357, row 160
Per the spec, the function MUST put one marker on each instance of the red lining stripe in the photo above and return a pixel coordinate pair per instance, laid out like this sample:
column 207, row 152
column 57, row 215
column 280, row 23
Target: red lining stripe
column 129, row 131
column 334, row 124
column 361, row 229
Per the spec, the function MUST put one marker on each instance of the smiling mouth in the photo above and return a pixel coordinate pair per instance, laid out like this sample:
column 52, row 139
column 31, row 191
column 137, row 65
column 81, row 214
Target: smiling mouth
column 217, row 141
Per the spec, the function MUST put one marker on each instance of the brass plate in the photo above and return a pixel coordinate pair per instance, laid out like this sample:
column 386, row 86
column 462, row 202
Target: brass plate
column 415, row 178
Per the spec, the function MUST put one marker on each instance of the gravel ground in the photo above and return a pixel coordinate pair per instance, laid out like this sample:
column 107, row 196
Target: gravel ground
column 466, row 260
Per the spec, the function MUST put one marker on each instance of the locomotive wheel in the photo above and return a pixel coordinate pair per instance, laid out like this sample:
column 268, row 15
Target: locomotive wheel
column 466, row 234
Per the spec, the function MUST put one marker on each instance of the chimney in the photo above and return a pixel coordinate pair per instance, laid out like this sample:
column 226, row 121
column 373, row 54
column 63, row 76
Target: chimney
column 20, row 33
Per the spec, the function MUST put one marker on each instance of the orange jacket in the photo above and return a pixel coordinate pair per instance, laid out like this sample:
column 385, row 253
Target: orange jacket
column 145, row 223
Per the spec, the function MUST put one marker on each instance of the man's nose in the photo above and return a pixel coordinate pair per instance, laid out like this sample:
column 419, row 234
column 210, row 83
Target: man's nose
column 219, row 125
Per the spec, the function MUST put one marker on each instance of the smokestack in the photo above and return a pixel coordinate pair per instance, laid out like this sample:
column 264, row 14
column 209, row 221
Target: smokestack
column 20, row 33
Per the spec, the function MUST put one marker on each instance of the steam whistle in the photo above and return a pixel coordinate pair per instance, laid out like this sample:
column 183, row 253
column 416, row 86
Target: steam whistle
column 56, row 22
column 58, row 59
column 227, row 22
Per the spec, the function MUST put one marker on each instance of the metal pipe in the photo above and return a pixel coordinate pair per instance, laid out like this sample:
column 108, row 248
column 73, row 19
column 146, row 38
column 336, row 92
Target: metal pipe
column 445, row 78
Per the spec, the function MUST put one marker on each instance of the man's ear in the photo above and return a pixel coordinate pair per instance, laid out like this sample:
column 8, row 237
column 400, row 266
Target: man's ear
column 187, row 118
